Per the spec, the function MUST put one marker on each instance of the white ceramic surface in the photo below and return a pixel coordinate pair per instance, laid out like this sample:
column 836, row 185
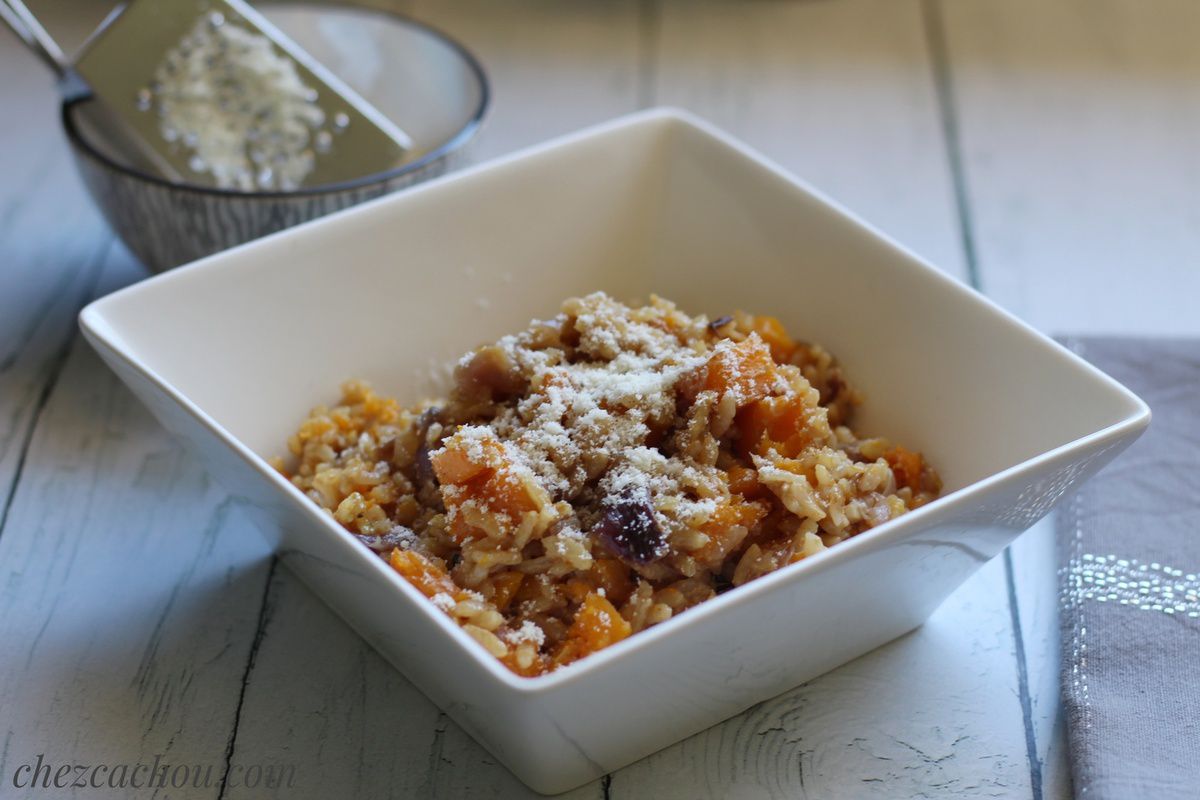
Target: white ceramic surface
column 230, row 353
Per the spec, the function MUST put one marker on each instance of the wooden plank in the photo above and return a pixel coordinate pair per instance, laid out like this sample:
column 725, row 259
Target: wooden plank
column 1034, row 563
column 555, row 65
column 915, row 718
column 843, row 94
column 124, row 574
column 51, row 242
column 1079, row 121
column 43, row 283
column 351, row 724
column 840, row 93
column 128, row 581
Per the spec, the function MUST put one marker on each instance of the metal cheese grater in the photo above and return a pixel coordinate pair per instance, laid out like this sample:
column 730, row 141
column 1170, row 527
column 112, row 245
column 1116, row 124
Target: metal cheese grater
column 209, row 92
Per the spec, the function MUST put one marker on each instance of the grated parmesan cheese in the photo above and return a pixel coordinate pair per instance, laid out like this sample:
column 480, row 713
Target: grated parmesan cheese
column 527, row 632
column 239, row 107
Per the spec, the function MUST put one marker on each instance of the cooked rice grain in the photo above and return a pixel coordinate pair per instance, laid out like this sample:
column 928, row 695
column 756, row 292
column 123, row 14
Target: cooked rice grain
column 603, row 471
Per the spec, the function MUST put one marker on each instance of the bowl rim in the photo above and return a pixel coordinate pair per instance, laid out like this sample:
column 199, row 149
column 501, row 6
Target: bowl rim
column 98, row 328
column 455, row 142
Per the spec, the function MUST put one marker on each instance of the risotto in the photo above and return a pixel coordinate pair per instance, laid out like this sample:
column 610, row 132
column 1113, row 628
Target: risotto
column 603, row 471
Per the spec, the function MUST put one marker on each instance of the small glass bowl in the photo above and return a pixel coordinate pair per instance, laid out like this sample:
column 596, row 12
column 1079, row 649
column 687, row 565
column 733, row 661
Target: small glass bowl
column 427, row 83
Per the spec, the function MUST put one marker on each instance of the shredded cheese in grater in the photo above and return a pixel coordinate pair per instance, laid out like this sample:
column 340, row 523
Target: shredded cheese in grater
column 229, row 98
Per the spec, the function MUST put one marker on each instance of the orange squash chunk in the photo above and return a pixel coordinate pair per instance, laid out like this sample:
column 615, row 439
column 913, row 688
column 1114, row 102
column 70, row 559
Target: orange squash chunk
column 539, row 666
column 906, row 466
column 775, row 335
column 481, row 474
column 737, row 512
column 503, row 493
column 613, row 577
column 577, row 589
column 808, row 470
column 745, row 368
column 424, row 574
column 597, row 625
column 506, row 585
column 454, row 466
column 607, row 577
column 744, row 481
column 497, row 493
column 774, row 423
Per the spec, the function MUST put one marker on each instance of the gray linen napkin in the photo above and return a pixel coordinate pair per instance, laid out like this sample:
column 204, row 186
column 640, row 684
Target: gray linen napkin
column 1129, row 557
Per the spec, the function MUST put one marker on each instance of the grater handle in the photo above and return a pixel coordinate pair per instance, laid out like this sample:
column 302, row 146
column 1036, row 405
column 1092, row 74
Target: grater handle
column 25, row 25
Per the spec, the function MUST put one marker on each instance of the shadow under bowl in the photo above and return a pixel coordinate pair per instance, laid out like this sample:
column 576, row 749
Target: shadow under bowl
column 417, row 76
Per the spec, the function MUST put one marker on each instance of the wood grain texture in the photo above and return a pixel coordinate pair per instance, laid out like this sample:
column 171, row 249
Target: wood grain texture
column 352, row 725
column 915, row 718
column 129, row 581
column 840, row 93
column 1078, row 121
column 51, row 243
column 1034, row 560
column 129, row 645
column 555, row 65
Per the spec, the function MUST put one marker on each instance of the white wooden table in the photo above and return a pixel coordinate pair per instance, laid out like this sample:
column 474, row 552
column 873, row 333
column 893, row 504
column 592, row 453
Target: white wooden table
column 1044, row 151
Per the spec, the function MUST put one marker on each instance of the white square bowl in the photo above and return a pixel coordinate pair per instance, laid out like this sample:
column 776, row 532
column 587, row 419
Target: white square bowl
column 230, row 353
